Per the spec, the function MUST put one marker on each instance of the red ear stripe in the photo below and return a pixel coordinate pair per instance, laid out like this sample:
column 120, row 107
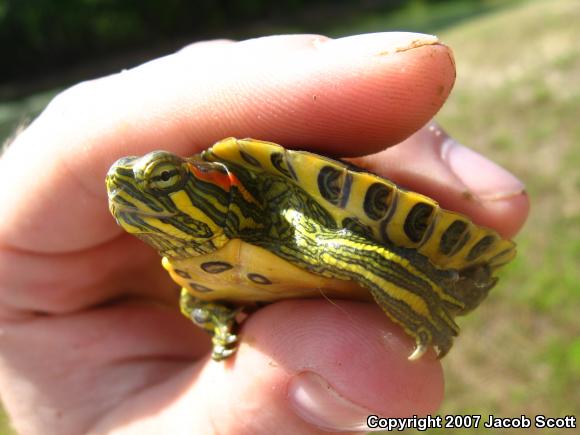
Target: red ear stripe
column 235, row 182
column 214, row 176
column 225, row 180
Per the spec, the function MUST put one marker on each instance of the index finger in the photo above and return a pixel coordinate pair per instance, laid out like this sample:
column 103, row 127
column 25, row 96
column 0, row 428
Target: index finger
column 288, row 89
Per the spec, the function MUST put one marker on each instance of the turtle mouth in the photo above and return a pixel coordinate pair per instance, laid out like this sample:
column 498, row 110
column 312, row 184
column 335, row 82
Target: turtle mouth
column 130, row 218
column 119, row 205
column 119, row 208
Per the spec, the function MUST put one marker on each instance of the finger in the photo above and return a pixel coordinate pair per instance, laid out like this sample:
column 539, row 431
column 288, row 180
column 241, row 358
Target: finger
column 303, row 367
column 361, row 93
column 209, row 47
column 432, row 163
column 33, row 284
column 83, row 365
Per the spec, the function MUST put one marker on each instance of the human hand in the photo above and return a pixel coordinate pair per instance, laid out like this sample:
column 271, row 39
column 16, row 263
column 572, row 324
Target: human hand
column 92, row 340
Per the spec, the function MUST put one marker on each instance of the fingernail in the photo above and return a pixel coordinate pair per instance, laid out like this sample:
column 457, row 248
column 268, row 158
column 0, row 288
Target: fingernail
column 483, row 178
column 316, row 402
column 383, row 43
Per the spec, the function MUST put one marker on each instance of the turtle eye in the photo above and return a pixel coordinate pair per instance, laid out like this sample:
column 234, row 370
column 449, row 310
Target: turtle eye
column 165, row 176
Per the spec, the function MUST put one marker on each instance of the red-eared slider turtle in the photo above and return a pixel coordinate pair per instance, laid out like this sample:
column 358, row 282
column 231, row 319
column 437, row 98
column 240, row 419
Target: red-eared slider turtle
column 247, row 222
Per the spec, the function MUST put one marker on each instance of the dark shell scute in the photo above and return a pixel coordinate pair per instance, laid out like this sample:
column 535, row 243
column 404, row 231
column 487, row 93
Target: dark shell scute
column 417, row 221
column 198, row 287
column 250, row 159
column 277, row 160
column 216, row 266
column 329, row 184
column 480, row 247
column 182, row 273
column 376, row 200
column 451, row 237
column 259, row 279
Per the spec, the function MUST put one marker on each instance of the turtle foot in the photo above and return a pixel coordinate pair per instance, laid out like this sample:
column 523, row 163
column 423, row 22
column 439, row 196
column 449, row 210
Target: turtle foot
column 219, row 320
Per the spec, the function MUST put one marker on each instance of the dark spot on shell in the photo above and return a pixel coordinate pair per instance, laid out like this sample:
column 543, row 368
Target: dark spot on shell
column 464, row 239
column 451, row 237
column 277, row 160
column 216, row 266
column 250, row 159
column 417, row 221
column 258, row 279
column 345, row 193
column 182, row 273
column 384, row 231
column 329, row 183
column 376, row 200
column 480, row 247
column 198, row 287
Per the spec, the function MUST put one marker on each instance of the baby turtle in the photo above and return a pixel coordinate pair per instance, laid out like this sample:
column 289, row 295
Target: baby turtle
column 247, row 222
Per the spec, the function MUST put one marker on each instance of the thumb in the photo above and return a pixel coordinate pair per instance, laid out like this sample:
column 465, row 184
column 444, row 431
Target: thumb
column 304, row 366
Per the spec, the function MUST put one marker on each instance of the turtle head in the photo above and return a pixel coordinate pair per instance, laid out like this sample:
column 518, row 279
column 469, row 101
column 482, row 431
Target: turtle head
column 160, row 199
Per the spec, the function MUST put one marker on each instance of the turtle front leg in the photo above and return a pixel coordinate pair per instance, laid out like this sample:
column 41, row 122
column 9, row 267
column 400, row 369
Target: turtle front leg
column 219, row 320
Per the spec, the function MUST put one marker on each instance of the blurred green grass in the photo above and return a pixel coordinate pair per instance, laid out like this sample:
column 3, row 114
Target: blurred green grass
column 517, row 100
column 5, row 428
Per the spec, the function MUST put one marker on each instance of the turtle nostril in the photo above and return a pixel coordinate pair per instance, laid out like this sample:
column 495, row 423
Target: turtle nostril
column 125, row 161
column 121, row 168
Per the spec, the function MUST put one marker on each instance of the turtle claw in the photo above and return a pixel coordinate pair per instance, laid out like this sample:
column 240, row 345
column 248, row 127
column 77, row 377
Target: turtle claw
column 219, row 353
column 224, row 343
column 441, row 348
column 219, row 320
column 418, row 352
column 231, row 339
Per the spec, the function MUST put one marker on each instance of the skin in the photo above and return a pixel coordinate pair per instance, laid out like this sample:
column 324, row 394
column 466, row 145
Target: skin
column 91, row 338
